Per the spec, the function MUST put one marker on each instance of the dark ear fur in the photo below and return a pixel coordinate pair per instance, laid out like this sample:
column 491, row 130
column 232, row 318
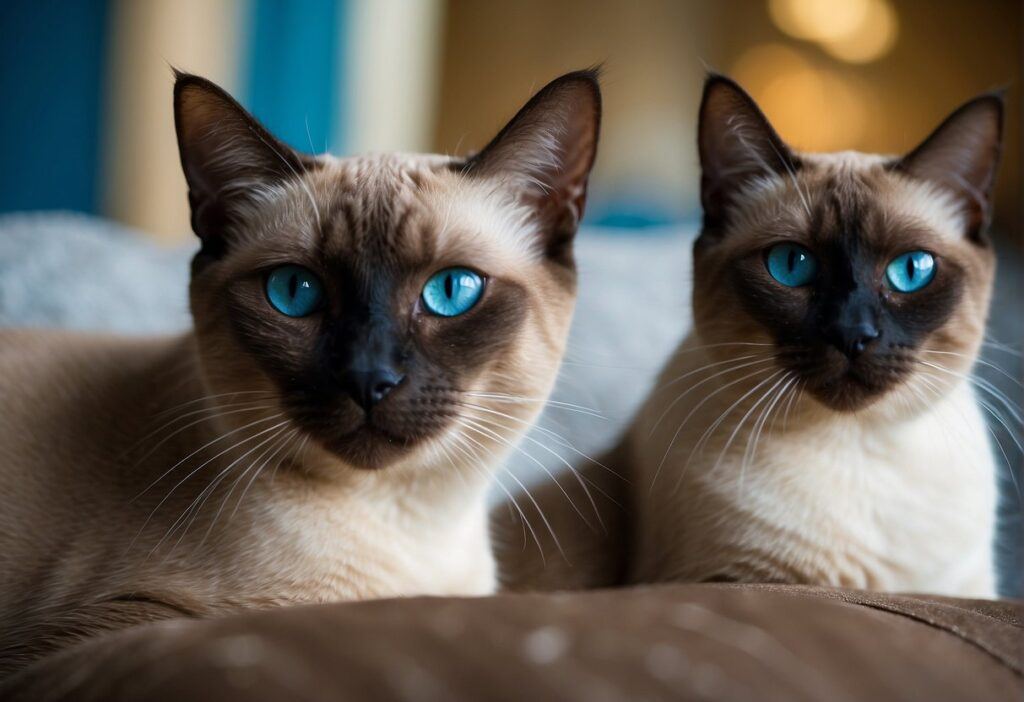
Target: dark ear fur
column 226, row 156
column 736, row 144
column 962, row 155
column 547, row 151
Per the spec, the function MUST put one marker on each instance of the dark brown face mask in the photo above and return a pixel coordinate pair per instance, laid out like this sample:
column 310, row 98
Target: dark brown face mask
column 369, row 308
column 848, row 286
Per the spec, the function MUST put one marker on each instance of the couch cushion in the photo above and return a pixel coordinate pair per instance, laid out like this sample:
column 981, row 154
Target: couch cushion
column 722, row 642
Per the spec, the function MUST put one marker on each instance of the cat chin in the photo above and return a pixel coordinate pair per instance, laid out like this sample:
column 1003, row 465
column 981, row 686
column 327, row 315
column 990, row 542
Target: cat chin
column 848, row 385
column 847, row 397
column 370, row 448
column 392, row 433
column 850, row 391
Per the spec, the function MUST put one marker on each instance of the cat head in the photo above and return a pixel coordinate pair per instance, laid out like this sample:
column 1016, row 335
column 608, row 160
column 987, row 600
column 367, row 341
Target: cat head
column 386, row 305
column 855, row 272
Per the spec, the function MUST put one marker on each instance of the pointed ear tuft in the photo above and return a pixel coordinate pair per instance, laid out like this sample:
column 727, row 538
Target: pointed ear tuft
column 737, row 144
column 962, row 156
column 546, row 152
column 227, row 155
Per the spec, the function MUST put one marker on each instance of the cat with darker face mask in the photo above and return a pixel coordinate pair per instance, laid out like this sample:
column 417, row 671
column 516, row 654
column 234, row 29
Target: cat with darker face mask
column 817, row 425
column 329, row 429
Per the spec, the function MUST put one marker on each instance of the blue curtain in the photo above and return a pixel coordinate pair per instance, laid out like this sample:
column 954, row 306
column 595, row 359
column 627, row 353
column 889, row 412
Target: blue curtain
column 51, row 86
column 291, row 78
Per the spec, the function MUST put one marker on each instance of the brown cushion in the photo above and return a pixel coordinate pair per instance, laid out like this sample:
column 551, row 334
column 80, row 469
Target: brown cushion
column 721, row 642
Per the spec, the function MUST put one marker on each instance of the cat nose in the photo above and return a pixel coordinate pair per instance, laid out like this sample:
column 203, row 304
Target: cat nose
column 853, row 339
column 368, row 388
column 852, row 324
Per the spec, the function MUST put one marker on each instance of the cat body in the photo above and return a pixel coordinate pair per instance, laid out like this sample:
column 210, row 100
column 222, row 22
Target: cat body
column 89, row 529
column 819, row 424
column 327, row 430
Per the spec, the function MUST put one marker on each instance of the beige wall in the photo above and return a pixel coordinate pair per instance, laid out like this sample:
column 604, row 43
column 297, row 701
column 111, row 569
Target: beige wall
column 446, row 75
column 144, row 186
column 497, row 54
column 389, row 58
column 392, row 72
column 656, row 52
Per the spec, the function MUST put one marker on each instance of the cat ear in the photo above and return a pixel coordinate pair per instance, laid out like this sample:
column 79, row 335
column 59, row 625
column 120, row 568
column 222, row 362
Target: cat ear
column 227, row 155
column 546, row 152
column 962, row 156
column 737, row 144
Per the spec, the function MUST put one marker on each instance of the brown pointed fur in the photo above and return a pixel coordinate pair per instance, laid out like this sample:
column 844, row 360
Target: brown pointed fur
column 761, row 454
column 224, row 469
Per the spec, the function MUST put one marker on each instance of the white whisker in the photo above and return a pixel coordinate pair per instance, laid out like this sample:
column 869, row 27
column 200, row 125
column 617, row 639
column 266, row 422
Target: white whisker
column 705, row 399
column 700, row 383
column 528, row 494
column 202, row 448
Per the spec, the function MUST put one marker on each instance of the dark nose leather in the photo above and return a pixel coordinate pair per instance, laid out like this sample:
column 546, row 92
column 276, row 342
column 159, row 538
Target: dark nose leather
column 368, row 388
column 854, row 327
column 853, row 340
column 368, row 360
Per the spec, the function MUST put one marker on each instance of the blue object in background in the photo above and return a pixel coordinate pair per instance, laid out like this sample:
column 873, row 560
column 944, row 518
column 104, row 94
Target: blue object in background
column 290, row 82
column 51, row 83
column 630, row 211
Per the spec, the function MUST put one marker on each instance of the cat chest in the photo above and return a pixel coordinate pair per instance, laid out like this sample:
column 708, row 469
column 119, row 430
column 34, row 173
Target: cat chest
column 903, row 514
column 335, row 557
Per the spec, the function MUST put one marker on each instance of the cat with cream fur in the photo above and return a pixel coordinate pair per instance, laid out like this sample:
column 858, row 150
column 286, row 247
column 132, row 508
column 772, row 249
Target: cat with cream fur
column 328, row 430
column 818, row 424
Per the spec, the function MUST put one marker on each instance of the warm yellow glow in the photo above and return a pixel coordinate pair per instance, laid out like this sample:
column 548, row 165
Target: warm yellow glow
column 856, row 31
column 875, row 37
column 759, row 66
column 818, row 20
column 812, row 108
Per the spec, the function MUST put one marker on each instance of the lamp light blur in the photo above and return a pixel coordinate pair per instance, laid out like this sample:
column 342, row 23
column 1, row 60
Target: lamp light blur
column 812, row 108
column 873, row 39
column 818, row 20
column 854, row 31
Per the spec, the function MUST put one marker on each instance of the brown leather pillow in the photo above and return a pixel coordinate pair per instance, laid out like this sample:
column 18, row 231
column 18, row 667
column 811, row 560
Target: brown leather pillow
column 719, row 642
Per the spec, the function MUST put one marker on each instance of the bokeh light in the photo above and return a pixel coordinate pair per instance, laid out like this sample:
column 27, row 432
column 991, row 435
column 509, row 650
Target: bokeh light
column 872, row 40
column 818, row 20
column 811, row 107
column 855, row 31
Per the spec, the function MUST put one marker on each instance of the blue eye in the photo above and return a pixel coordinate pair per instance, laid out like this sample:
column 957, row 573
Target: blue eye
column 911, row 271
column 294, row 290
column 452, row 291
column 791, row 264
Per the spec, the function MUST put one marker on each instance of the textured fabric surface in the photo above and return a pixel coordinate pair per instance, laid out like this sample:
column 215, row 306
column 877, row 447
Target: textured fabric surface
column 80, row 272
column 682, row 642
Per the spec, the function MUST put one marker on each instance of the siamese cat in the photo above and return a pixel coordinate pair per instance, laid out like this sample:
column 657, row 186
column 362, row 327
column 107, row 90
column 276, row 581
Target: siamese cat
column 326, row 432
column 818, row 424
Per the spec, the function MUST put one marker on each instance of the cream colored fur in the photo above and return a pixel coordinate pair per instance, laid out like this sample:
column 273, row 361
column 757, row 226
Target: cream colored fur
column 733, row 469
column 244, row 465
column 90, row 536
column 900, row 498
column 899, row 495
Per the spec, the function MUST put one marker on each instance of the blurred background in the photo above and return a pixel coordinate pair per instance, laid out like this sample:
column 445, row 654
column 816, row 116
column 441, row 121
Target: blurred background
column 87, row 87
